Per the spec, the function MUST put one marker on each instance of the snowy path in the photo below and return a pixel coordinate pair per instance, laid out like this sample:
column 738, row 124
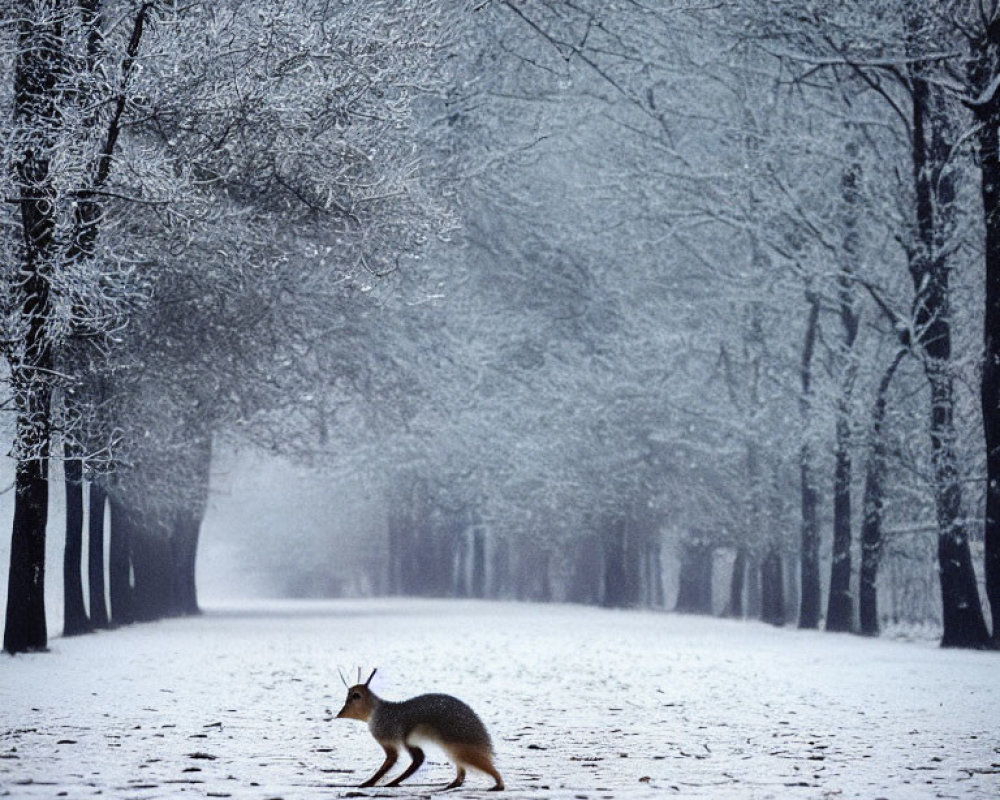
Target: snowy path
column 582, row 703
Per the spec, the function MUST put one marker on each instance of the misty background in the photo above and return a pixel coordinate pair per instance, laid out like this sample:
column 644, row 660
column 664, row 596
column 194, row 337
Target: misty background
column 633, row 305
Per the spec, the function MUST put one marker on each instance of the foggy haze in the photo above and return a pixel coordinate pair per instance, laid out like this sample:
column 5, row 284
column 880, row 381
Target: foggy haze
column 572, row 370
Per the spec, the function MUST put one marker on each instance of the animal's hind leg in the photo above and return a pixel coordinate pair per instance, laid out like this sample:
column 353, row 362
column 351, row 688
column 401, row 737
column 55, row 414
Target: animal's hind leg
column 418, row 758
column 459, row 778
column 478, row 759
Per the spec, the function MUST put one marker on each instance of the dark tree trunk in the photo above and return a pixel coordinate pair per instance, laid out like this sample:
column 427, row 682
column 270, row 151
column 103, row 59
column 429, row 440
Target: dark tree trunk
column 152, row 568
column 990, row 387
column 184, row 552
column 37, row 69
column 477, row 581
column 186, row 530
column 395, row 535
column 463, row 557
column 654, row 567
column 871, row 522
column 75, row 619
column 734, row 608
column 637, row 533
column 26, row 628
column 586, row 582
column 500, row 584
column 772, row 584
column 694, row 592
column 985, row 69
column 616, row 590
column 840, row 606
column 120, row 565
column 754, row 589
column 962, row 614
column 809, row 611
column 840, row 602
column 95, row 556
column 543, row 576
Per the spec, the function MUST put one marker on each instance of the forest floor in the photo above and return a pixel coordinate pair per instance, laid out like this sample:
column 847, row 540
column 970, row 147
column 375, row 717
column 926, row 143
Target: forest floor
column 583, row 704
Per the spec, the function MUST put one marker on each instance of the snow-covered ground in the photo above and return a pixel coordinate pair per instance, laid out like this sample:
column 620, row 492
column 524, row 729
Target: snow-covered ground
column 582, row 703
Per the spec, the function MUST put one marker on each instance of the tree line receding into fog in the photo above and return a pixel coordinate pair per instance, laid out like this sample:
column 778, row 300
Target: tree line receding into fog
column 627, row 304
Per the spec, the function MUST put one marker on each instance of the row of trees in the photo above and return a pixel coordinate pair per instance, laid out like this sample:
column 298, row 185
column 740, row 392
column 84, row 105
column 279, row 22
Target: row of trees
column 196, row 196
column 717, row 288
column 736, row 255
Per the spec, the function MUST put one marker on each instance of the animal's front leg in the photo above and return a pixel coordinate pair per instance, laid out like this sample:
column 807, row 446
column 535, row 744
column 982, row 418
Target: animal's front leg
column 391, row 754
column 418, row 758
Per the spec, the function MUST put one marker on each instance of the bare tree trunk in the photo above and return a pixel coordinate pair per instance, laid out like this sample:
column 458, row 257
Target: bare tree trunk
column 694, row 594
column 615, row 577
column 962, row 614
column 809, row 610
column 500, row 584
column 655, row 571
column 772, row 581
column 120, row 565
column 186, row 530
column 840, row 602
column 95, row 556
column 184, row 549
column 586, row 582
column 754, row 589
column 152, row 567
column 985, row 70
column 544, row 571
column 75, row 619
column 871, row 523
column 734, row 608
column 37, row 69
column 478, row 569
column 26, row 628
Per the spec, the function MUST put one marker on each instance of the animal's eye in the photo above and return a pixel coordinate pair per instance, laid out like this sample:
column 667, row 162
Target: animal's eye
column 356, row 696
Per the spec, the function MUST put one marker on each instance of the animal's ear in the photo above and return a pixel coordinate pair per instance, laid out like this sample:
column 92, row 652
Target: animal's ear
column 371, row 676
column 342, row 678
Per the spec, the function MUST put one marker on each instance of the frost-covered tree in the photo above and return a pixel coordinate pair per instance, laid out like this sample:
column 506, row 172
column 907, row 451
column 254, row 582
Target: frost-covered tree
column 172, row 162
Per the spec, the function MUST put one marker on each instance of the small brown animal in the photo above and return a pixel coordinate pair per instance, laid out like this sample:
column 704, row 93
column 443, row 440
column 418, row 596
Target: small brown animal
column 436, row 718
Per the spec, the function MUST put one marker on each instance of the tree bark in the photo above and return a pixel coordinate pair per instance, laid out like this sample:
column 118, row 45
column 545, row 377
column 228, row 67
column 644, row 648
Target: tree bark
column 962, row 614
column 184, row 553
column 694, row 593
column 37, row 69
column 654, row 567
column 839, row 608
column 872, row 505
column 26, row 628
column 734, row 608
column 152, row 567
column 500, row 584
column 587, row 579
column 120, row 565
column 75, row 619
column 772, row 583
column 810, row 599
column 616, row 593
column 985, row 69
column 990, row 387
column 477, row 587
column 95, row 555
column 186, row 531
column 840, row 601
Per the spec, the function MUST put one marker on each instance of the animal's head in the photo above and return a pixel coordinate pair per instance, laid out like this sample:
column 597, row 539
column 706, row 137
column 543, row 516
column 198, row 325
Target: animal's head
column 360, row 701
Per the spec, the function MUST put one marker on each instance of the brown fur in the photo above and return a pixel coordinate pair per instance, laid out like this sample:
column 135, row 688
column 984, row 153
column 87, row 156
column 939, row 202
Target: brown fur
column 438, row 718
